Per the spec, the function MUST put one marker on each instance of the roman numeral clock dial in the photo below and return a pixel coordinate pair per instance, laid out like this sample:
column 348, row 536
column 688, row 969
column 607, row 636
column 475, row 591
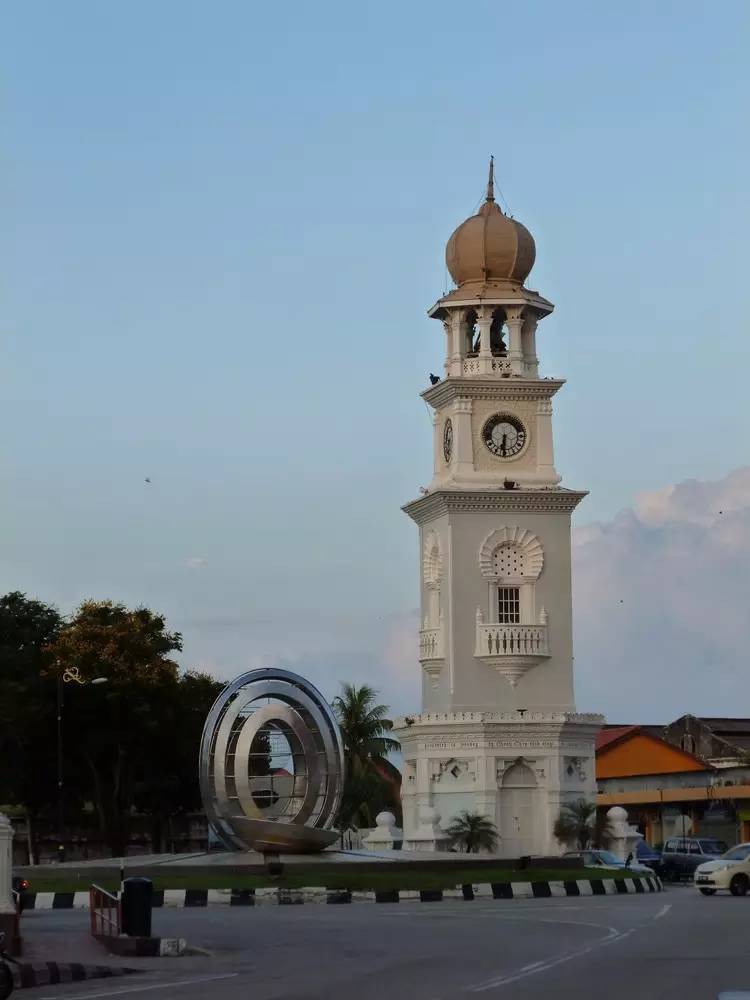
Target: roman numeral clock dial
column 504, row 435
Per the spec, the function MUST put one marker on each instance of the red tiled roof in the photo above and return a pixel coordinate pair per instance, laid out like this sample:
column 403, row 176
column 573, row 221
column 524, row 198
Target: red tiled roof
column 609, row 734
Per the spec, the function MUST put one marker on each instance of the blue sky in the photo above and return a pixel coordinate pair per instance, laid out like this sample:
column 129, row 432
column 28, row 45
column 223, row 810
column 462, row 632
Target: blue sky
column 223, row 225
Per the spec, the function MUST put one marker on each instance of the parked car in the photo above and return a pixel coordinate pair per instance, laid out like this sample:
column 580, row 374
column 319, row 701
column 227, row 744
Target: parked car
column 606, row 859
column 647, row 855
column 731, row 871
column 682, row 855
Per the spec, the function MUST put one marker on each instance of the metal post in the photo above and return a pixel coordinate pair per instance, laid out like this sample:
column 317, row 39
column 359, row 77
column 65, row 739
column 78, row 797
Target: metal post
column 60, row 774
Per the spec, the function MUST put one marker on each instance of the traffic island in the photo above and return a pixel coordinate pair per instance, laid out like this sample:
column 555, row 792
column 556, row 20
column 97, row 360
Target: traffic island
column 285, row 896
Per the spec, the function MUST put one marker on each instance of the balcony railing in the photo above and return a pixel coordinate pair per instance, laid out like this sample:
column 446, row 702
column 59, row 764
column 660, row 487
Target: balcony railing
column 431, row 644
column 511, row 640
column 511, row 649
column 487, row 366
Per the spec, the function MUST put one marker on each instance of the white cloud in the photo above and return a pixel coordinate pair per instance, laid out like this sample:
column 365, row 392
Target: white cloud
column 661, row 598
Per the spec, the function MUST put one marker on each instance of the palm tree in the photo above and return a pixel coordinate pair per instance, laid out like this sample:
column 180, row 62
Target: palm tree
column 576, row 823
column 372, row 782
column 473, row 832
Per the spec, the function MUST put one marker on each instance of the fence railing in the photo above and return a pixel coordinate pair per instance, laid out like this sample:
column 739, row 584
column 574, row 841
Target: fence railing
column 105, row 912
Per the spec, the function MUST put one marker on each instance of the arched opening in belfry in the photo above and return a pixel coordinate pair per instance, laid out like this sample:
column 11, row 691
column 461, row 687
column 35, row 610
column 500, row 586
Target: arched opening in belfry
column 497, row 334
column 472, row 334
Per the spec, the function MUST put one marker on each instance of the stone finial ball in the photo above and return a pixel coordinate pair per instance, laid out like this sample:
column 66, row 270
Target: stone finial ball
column 617, row 814
column 386, row 819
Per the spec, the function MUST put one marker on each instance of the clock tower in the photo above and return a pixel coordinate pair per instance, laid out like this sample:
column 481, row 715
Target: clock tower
column 498, row 733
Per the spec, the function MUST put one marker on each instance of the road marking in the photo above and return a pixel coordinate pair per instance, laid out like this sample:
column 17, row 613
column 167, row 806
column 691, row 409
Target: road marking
column 543, row 966
column 142, row 989
column 663, row 911
column 532, row 965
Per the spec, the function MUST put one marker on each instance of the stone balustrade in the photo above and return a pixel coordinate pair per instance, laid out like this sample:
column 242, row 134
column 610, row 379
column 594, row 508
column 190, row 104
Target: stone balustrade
column 511, row 640
column 431, row 645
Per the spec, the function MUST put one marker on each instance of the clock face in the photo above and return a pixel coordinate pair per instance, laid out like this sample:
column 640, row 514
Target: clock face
column 504, row 435
column 448, row 440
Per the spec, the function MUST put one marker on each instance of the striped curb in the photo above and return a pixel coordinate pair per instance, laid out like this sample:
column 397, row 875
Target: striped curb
column 26, row 976
column 277, row 896
column 142, row 947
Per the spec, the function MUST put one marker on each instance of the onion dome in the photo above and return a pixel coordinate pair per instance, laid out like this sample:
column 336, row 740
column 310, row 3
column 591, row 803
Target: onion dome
column 490, row 246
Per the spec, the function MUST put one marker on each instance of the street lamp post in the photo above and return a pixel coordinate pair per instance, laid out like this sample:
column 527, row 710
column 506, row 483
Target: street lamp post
column 66, row 676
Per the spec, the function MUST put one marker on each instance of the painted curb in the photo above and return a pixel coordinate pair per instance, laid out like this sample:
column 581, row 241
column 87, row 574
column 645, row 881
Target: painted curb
column 319, row 894
column 142, row 947
column 26, row 975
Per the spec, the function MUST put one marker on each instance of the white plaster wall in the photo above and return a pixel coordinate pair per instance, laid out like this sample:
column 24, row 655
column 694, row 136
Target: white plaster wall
column 441, row 527
column 488, row 751
column 468, row 683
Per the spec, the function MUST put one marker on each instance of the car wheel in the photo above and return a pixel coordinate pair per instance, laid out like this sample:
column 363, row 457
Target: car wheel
column 739, row 885
column 707, row 892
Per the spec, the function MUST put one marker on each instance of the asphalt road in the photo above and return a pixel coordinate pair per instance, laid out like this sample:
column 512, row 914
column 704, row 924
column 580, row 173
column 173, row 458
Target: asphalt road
column 676, row 944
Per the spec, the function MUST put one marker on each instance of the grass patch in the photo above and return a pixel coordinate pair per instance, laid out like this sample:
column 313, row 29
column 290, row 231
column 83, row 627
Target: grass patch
column 395, row 876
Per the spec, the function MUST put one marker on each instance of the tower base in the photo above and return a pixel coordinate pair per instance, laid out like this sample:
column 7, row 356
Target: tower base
column 517, row 768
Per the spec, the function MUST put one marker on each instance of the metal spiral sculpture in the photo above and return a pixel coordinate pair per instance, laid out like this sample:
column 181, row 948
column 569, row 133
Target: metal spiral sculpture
column 272, row 764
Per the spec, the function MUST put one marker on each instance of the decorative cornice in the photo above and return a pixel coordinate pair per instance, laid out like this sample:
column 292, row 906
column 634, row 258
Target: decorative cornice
column 490, row 387
column 493, row 718
column 555, row 500
column 489, row 293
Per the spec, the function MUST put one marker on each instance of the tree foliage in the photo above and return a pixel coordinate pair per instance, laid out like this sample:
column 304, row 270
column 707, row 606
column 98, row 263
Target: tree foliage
column 130, row 744
column 372, row 782
column 473, row 832
column 27, row 703
column 579, row 825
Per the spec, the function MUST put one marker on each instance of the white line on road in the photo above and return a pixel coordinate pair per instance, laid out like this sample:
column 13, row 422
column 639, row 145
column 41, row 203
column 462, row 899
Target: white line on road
column 663, row 911
column 141, row 989
column 491, row 984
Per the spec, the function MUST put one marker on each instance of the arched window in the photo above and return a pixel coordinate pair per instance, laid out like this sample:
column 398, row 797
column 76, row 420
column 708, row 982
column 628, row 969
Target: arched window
column 688, row 743
column 497, row 334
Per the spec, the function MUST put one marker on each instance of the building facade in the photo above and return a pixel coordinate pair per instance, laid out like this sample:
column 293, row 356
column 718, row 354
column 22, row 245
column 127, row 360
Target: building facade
column 690, row 777
column 498, row 732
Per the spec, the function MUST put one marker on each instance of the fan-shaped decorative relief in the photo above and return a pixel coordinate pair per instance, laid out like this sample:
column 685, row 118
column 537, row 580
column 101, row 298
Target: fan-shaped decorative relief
column 511, row 553
column 432, row 559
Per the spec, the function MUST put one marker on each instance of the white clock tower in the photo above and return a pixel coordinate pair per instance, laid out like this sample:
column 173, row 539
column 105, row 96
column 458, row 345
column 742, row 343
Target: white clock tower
column 498, row 733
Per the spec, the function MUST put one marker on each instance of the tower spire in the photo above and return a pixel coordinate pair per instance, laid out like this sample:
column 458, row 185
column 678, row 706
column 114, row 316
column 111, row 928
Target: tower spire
column 491, row 181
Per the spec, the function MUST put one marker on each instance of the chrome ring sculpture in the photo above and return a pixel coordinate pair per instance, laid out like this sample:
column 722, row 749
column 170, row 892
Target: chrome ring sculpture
column 272, row 764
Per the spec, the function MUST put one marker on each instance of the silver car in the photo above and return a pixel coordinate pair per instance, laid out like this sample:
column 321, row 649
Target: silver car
column 595, row 858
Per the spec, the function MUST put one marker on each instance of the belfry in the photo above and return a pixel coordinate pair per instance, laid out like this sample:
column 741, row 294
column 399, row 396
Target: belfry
column 498, row 733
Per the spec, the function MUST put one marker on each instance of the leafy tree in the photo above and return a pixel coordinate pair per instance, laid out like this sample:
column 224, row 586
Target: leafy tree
column 171, row 786
column 126, row 728
column 579, row 824
column 372, row 782
column 473, row 832
column 27, row 708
